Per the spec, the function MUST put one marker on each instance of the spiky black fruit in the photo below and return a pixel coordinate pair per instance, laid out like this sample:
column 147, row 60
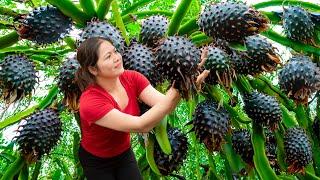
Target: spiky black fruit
column 298, row 150
column 67, row 84
column 177, row 60
column 17, row 78
column 39, row 134
column 44, row 25
column 169, row 163
column 105, row 30
column 298, row 24
column 263, row 109
column 153, row 29
column 232, row 21
column 140, row 58
column 219, row 64
column 300, row 78
column 261, row 52
column 211, row 124
column 316, row 127
column 243, row 64
column 241, row 143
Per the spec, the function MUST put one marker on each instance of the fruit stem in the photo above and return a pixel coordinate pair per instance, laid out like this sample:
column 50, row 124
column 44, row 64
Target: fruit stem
column 301, row 116
column 135, row 6
column 272, row 16
column 306, row 5
column 177, row 17
column 88, row 7
column 212, row 166
column 70, row 42
column 243, row 84
column 119, row 22
column 280, row 150
column 191, row 103
column 8, row 12
column 297, row 46
column 288, row 119
column 9, row 39
column 131, row 17
column 103, row 8
column 24, row 172
column 188, row 27
column 233, row 159
column 260, row 159
column 36, row 171
column 70, row 9
column 14, row 168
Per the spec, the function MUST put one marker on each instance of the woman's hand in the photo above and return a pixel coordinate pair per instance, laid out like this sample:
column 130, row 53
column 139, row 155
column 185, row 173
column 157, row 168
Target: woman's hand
column 173, row 96
column 205, row 73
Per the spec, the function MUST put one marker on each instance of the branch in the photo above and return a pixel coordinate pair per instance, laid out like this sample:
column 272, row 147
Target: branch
column 119, row 22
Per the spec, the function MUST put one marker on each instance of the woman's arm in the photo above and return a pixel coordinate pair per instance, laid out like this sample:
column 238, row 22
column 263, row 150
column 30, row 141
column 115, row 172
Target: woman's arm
column 144, row 123
column 151, row 96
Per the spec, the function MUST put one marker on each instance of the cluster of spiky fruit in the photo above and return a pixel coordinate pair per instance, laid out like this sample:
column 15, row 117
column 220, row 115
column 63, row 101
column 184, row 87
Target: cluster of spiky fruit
column 241, row 143
column 97, row 28
column 44, row 25
column 298, row 24
column 140, row 58
column 172, row 162
column 17, row 78
column 39, row 134
column 232, row 21
column 300, row 78
column 263, row 109
column 153, row 29
column 67, row 84
column 210, row 124
column 177, row 60
column 298, row 150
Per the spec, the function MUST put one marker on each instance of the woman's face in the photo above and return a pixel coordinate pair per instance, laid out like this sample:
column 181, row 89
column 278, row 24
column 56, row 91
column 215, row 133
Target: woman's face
column 109, row 64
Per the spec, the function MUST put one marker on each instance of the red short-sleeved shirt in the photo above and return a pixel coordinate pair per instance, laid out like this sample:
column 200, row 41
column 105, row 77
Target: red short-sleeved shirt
column 95, row 102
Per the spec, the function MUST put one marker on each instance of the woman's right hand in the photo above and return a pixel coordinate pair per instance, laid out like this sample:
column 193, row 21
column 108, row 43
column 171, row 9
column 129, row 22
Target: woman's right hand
column 173, row 97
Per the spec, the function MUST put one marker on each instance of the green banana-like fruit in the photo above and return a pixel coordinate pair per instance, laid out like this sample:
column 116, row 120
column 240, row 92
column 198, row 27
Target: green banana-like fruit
column 149, row 155
column 162, row 136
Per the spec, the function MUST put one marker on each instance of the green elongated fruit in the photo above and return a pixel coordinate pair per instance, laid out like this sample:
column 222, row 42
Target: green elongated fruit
column 162, row 136
column 150, row 157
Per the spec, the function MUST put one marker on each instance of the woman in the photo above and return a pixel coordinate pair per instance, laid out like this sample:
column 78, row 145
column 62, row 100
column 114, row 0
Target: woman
column 109, row 110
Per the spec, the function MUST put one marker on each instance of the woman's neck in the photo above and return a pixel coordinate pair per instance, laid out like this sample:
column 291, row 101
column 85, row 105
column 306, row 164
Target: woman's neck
column 110, row 84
